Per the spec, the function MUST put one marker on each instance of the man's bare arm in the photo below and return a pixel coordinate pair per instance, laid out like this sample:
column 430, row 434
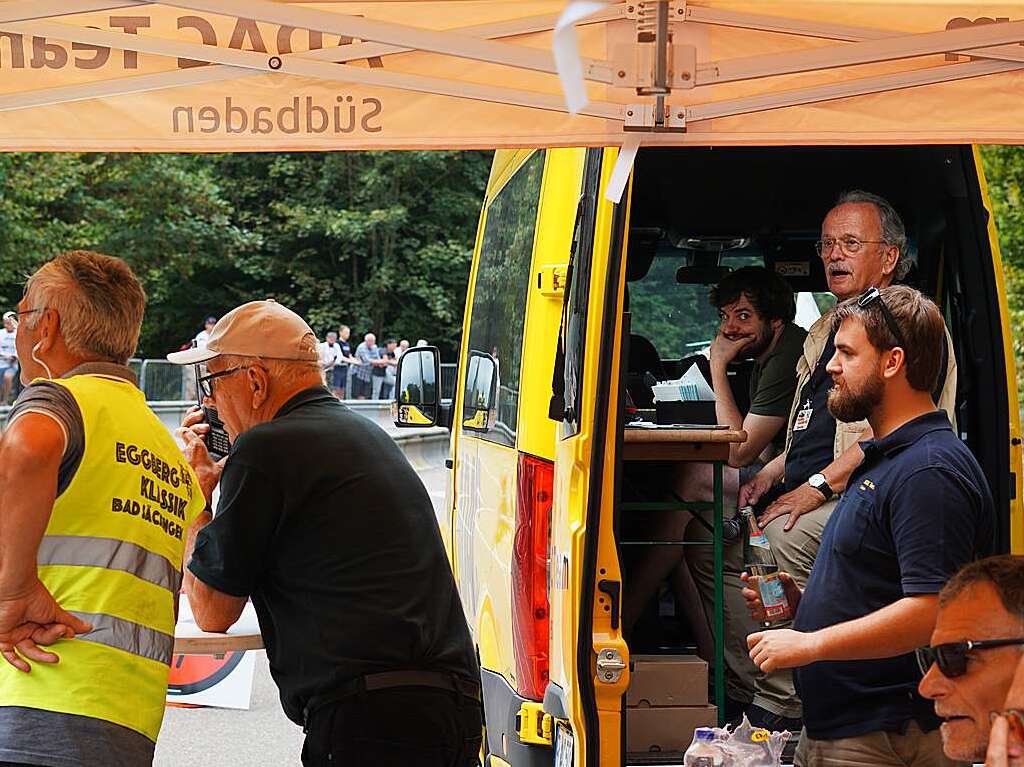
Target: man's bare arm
column 894, row 630
column 805, row 498
column 30, row 455
column 213, row 610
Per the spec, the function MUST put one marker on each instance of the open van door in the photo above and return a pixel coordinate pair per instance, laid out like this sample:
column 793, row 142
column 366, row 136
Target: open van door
column 588, row 675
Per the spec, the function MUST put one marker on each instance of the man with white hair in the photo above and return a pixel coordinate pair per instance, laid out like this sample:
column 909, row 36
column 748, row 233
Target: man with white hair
column 96, row 500
column 8, row 355
column 342, row 558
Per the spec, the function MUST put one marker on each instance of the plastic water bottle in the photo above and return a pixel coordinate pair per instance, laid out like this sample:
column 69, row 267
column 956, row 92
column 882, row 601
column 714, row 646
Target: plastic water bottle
column 702, row 751
column 760, row 561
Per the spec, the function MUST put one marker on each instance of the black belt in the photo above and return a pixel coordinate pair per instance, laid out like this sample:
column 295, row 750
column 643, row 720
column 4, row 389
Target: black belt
column 388, row 679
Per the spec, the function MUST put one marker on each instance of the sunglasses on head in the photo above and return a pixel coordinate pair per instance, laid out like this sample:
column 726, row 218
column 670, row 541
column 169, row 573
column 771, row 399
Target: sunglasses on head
column 951, row 657
column 874, row 296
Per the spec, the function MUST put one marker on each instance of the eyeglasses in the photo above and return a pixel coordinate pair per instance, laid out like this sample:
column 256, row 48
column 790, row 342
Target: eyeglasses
column 952, row 656
column 874, row 296
column 848, row 245
column 205, row 383
column 31, row 311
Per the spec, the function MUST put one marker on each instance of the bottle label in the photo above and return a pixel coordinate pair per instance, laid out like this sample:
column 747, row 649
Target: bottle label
column 760, row 540
column 773, row 596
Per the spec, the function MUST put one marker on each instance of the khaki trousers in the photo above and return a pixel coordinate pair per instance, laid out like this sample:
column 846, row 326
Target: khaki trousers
column 875, row 749
column 741, row 673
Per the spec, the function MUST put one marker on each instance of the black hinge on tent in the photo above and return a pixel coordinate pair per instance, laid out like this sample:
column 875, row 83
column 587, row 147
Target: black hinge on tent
column 556, row 408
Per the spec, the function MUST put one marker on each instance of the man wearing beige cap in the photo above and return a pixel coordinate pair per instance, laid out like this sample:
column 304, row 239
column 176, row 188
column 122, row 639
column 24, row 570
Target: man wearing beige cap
column 325, row 525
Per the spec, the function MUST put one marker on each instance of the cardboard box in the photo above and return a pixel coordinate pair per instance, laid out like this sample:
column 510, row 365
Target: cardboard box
column 665, row 728
column 667, row 680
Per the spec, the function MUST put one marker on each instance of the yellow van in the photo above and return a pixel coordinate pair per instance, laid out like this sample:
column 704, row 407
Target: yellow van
column 567, row 292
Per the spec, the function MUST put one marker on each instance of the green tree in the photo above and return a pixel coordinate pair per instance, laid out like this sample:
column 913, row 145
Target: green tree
column 1004, row 171
column 380, row 241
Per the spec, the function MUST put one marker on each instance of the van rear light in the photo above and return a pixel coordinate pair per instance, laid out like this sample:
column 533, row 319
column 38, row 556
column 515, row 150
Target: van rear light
column 530, row 608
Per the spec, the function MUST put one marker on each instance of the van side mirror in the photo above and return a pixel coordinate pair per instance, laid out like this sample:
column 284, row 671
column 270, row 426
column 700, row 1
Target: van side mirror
column 417, row 399
column 481, row 386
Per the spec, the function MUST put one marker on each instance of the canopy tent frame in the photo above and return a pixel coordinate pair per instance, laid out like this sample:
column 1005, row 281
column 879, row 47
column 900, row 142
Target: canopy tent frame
column 652, row 67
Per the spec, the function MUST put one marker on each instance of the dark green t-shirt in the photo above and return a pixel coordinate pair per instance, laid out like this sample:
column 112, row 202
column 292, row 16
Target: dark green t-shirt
column 773, row 383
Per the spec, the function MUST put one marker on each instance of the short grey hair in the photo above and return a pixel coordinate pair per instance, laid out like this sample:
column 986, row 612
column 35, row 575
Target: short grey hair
column 893, row 231
column 98, row 299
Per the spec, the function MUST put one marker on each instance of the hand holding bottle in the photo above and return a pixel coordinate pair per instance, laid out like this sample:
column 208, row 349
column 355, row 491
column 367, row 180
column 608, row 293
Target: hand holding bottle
column 752, row 593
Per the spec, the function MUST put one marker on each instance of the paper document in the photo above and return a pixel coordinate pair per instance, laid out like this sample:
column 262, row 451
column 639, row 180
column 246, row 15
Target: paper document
column 692, row 387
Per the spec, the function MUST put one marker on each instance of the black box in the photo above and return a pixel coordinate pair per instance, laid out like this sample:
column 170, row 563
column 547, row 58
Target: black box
column 686, row 412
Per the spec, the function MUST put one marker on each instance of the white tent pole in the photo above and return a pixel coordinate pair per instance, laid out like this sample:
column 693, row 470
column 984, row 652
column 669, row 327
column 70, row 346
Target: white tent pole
column 26, row 10
column 867, row 52
column 822, row 30
column 881, row 84
column 295, row 65
column 221, row 72
column 450, row 43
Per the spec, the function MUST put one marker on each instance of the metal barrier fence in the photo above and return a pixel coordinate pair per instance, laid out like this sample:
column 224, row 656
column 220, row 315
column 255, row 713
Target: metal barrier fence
column 163, row 381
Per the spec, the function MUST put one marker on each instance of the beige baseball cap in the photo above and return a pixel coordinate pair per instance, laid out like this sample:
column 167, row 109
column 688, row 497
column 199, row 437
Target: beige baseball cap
column 256, row 329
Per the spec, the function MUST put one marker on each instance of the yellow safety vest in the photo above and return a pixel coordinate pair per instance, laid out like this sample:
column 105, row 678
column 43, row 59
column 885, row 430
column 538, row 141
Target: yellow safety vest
column 112, row 555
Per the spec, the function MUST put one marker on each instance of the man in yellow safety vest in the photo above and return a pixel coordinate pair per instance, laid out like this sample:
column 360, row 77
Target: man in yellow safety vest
column 95, row 502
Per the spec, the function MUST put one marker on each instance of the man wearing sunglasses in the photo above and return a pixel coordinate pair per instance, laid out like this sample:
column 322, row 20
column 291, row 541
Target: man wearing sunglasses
column 977, row 645
column 916, row 509
column 343, row 559
column 863, row 245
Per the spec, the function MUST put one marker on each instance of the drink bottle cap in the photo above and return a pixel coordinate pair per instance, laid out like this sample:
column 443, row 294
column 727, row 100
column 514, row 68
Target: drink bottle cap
column 704, row 733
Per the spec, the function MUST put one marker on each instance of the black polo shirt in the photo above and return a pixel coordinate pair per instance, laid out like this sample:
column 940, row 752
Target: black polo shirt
column 914, row 512
column 324, row 523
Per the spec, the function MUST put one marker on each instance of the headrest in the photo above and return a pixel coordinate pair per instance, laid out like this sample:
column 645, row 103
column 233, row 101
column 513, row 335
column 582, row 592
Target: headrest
column 643, row 244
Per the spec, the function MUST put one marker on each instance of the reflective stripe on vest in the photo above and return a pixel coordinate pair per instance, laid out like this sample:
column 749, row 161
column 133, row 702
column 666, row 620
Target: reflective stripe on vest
column 112, row 554
column 125, row 635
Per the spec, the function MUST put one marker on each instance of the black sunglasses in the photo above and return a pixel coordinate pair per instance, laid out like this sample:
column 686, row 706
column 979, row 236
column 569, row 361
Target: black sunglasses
column 951, row 657
column 873, row 296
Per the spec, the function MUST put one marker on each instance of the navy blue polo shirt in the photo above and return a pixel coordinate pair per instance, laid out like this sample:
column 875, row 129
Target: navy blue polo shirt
column 914, row 512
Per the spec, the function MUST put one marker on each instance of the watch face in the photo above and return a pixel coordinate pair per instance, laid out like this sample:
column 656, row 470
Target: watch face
column 817, row 480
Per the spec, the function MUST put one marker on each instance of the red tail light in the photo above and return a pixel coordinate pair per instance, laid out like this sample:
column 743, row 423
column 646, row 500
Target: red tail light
column 530, row 609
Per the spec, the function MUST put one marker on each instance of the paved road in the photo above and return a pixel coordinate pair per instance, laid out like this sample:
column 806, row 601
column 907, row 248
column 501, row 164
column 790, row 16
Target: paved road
column 261, row 736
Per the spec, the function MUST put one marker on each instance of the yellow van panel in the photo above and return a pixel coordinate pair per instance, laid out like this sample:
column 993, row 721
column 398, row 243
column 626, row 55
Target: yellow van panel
column 568, row 533
column 1017, row 503
column 563, row 177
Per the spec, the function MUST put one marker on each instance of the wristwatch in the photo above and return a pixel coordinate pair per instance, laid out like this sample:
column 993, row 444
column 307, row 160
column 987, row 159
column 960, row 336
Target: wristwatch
column 819, row 483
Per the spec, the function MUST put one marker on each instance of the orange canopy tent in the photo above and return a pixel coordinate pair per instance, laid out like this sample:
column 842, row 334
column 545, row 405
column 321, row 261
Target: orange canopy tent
column 238, row 75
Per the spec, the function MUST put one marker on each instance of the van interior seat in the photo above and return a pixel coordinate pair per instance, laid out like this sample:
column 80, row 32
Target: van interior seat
column 642, row 356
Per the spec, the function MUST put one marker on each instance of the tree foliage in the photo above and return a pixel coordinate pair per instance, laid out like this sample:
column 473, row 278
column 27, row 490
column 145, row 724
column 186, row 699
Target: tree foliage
column 1004, row 171
column 378, row 241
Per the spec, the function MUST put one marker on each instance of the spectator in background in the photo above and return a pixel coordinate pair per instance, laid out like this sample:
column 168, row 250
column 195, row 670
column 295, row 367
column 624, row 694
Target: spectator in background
column 203, row 336
column 390, row 355
column 330, row 359
column 378, row 374
column 8, row 356
column 403, row 347
column 343, row 372
column 422, row 342
column 368, row 356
